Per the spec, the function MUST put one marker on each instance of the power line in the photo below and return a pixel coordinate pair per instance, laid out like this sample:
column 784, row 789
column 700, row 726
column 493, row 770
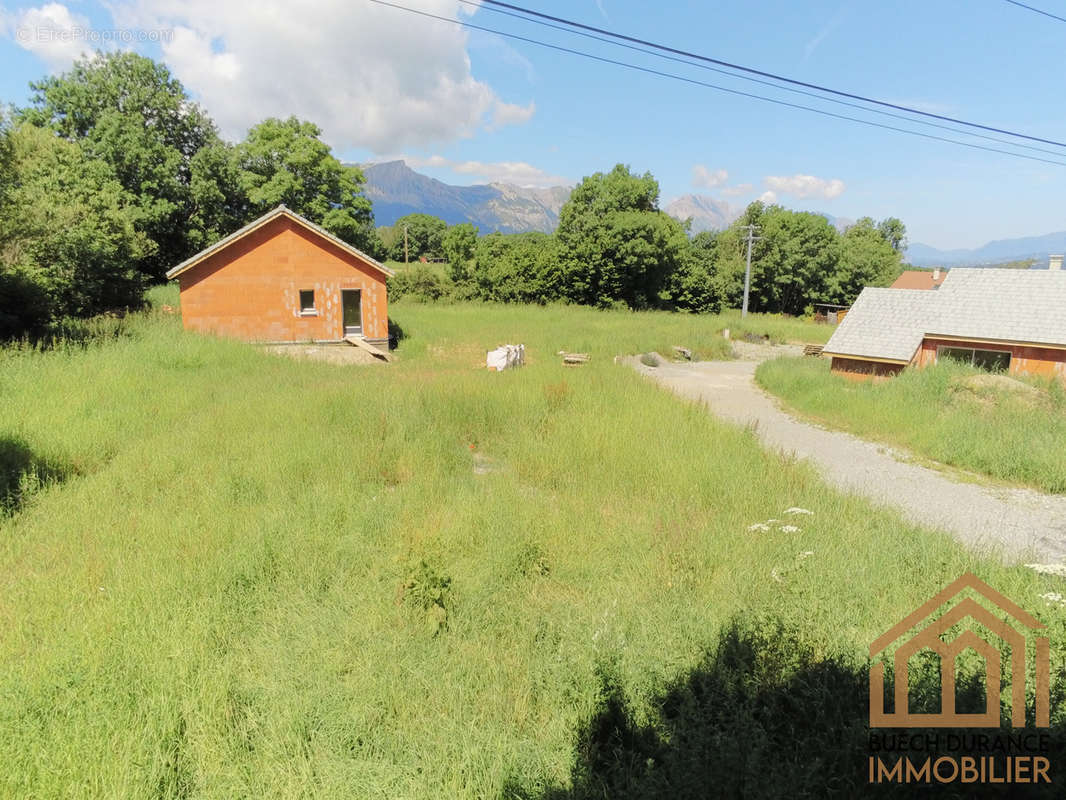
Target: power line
column 1036, row 10
column 478, row 4
column 707, row 85
column 753, row 71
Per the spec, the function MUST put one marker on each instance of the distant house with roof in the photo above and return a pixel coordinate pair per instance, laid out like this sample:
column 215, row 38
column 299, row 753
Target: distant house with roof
column 920, row 279
column 283, row 278
column 1003, row 319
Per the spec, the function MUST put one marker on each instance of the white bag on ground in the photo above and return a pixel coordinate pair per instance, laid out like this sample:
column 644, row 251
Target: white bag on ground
column 510, row 355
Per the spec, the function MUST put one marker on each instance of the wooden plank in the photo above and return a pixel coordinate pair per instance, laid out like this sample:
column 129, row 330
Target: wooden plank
column 358, row 341
column 575, row 358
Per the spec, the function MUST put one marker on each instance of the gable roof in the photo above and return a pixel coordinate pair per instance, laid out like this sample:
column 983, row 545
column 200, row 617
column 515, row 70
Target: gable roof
column 883, row 324
column 1003, row 304
column 1000, row 305
column 919, row 279
column 280, row 211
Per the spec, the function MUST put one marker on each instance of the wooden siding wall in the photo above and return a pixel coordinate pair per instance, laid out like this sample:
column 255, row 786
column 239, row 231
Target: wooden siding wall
column 1025, row 359
column 251, row 289
column 858, row 369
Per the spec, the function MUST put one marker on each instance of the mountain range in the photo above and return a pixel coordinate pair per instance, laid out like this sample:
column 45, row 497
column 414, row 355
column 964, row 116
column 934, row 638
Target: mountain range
column 997, row 252
column 395, row 190
column 706, row 213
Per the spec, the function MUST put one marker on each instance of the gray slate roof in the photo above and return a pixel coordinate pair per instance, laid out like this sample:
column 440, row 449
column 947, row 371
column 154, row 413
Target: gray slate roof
column 997, row 304
column 883, row 323
column 1009, row 304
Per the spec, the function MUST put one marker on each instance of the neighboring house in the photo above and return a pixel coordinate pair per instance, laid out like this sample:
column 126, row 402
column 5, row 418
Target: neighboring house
column 282, row 278
column 830, row 313
column 919, row 279
column 1004, row 319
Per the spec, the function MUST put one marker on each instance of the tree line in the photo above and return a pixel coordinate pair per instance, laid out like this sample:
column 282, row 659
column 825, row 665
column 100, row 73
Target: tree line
column 615, row 248
column 112, row 174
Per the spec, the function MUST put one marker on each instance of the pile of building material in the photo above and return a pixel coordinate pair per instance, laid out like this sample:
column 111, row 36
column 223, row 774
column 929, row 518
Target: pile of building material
column 510, row 355
column 574, row 358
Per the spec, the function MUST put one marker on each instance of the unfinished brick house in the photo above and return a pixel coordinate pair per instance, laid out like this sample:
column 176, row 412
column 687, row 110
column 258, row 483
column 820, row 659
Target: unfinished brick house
column 1000, row 319
column 282, row 278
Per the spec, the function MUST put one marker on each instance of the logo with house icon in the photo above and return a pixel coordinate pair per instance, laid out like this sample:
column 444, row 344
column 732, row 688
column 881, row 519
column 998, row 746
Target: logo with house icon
column 968, row 600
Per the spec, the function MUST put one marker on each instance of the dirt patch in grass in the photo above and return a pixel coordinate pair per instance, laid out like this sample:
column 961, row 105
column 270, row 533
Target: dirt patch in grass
column 761, row 351
column 990, row 389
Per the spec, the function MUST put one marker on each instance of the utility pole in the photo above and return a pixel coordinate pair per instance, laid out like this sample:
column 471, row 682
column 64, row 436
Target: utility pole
column 747, row 272
column 405, row 246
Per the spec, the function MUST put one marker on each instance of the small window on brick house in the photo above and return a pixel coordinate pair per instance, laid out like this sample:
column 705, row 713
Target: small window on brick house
column 307, row 301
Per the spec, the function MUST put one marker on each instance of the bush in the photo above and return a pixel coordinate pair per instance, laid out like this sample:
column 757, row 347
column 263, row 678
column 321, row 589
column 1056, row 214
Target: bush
column 25, row 309
column 419, row 283
column 518, row 268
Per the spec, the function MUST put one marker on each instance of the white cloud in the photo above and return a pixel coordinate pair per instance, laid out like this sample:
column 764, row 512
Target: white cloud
column 706, row 179
column 511, row 114
column 516, row 172
column 208, row 64
column 50, row 32
column 768, row 197
column 739, row 189
column 370, row 76
column 805, row 186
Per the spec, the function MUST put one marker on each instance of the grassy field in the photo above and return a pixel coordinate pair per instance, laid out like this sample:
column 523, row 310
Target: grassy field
column 778, row 328
column 948, row 413
column 606, row 334
column 228, row 574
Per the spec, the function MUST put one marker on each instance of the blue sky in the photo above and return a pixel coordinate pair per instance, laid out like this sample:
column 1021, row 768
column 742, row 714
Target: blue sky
column 469, row 107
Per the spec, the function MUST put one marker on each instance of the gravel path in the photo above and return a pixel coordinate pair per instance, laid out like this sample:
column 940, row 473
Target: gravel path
column 1020, row 524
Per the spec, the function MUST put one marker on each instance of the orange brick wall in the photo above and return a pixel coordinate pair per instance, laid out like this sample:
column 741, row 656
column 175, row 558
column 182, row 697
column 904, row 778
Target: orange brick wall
column 251, row 289
column 1024, row 359
column 858, row 369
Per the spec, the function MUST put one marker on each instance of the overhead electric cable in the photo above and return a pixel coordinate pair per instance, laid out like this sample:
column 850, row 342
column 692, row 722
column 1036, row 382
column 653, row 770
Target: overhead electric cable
column 764, row 74
column 793, row 90
column 705, row 84
column 1036, row 10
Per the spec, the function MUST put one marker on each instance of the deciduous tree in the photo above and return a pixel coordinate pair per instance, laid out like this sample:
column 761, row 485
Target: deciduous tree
column 518, row 268
column 458, row 247
column 286, row 161
column 129, row 112
column 894, row 232
column 692, row 286
column 69, row 242
column 425, row 237
column 616, row 246
column 867, row 258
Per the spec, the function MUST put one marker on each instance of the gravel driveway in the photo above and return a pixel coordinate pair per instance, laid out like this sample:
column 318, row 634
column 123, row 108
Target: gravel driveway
column 1020, row 524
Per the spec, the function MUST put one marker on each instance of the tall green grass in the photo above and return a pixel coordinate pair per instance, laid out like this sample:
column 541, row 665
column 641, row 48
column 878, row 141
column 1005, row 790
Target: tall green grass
column 941, row 413
column 246, row 576
column 778, row 328
column 454, row 332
